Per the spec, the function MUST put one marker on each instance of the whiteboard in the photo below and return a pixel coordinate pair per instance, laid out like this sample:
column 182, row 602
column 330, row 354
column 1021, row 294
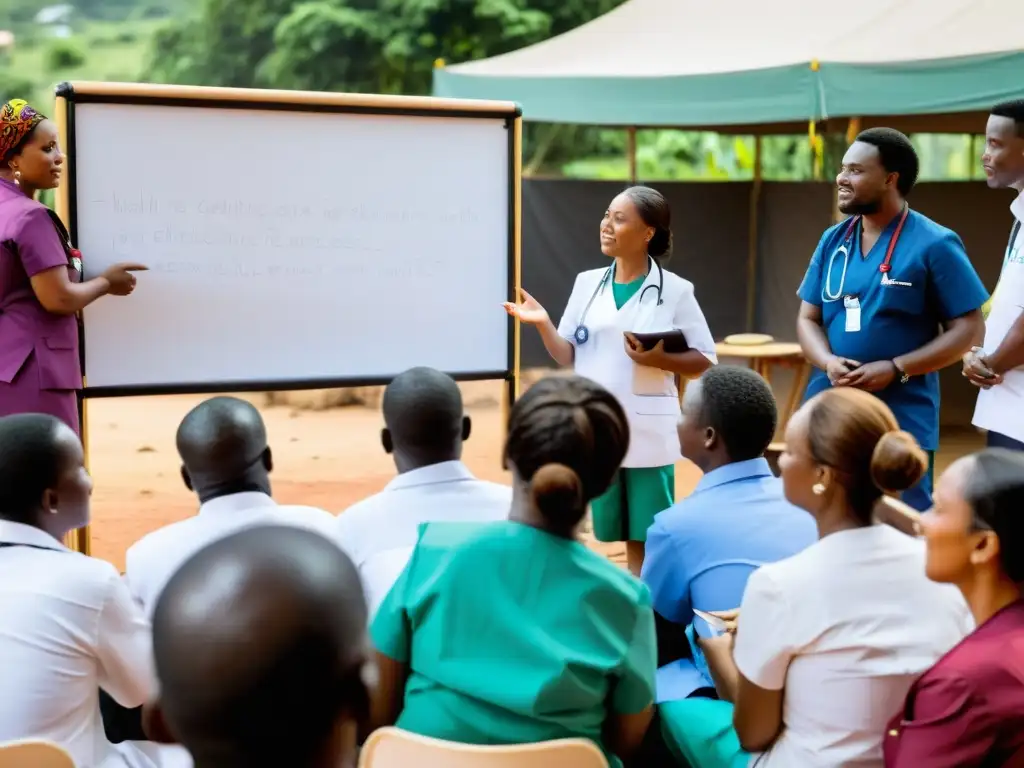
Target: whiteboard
column 290, row 248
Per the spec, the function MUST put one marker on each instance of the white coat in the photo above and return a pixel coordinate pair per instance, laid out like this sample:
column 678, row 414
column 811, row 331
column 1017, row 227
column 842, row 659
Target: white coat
column 70, row 627
column 1001, row 408
column 653, row 441
column 375, row 531
column 156, row 557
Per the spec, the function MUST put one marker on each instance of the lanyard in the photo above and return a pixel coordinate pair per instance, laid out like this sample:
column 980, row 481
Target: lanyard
column 886, row 265
column 1014, row 231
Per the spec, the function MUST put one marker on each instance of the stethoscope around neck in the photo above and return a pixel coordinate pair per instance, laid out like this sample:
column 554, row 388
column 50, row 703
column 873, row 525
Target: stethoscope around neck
column 827, row 295
column 582, row 333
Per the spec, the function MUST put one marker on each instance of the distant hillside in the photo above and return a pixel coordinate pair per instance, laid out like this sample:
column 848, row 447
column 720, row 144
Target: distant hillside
column 20, row 15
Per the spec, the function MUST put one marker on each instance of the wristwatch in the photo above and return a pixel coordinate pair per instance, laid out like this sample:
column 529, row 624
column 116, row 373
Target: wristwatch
column 904, row 376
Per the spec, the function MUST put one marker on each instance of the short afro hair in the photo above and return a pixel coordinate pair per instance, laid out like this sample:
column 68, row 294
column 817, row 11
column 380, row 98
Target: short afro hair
column 897, row 154
column 29, row 464
column 740, row 406
column 1013, row 110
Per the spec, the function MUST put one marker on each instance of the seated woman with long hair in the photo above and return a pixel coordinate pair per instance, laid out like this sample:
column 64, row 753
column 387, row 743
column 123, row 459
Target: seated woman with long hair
column 515, row 632
column 827, row 642
column 968, row 710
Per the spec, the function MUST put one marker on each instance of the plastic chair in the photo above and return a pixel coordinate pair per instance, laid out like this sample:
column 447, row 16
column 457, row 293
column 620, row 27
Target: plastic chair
column 395, row 748
column 33, row 753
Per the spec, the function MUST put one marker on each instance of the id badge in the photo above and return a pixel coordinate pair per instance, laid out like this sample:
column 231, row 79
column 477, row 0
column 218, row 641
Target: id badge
column 852, row 305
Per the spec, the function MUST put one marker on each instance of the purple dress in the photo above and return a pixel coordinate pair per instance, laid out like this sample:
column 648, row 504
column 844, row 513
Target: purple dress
column 39, row 364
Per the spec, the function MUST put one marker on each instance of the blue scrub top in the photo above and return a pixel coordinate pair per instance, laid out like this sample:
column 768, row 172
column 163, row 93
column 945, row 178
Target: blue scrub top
column 931, row 281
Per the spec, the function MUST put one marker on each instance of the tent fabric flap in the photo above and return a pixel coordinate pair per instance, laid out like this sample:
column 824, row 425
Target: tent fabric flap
column 922, row 87
column 691, row 63
column 739, row 98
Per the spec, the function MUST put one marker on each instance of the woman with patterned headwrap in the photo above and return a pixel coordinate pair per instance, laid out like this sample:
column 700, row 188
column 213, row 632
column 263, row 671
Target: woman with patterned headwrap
column 41, row 288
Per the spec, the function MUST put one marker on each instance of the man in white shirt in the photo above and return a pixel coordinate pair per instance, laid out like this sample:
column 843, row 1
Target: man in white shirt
column 425, row 428
column 226, row 461
column 997, row 368
column 68, row 625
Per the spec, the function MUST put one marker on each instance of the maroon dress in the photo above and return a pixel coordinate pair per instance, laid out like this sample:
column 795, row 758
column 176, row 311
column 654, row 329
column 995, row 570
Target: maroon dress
column 39, row 364
column 968, row 710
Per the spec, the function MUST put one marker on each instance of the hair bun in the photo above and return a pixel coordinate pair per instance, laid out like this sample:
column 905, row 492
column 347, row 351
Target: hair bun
column 557, row 492
column 660, row 244
column 898, row 462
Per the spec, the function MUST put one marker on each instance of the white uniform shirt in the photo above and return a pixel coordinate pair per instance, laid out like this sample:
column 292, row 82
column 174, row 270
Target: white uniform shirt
column 155, row 558
column 845, row 626
column 68, row 627
column 1001, row 408
column 602, row 358
column 370, row 530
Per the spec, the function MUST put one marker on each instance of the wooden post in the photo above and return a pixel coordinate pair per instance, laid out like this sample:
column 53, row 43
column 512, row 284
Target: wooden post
column 631, row 153
column 78, row 540
column 513, row 384
column 752, row 245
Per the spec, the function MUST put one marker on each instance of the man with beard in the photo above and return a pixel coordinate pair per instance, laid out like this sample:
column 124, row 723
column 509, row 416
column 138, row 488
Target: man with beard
column 998, row 367
column 890, row 297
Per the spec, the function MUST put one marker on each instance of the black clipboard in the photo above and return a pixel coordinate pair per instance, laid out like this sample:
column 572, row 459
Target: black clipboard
column 675, row 341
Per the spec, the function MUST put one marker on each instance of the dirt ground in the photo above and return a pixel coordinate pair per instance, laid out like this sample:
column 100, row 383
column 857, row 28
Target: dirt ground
column 326, row 458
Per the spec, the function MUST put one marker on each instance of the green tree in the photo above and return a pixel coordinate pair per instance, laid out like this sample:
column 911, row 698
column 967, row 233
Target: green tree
column 385, row 46
column 327, row 46
column 224, row 45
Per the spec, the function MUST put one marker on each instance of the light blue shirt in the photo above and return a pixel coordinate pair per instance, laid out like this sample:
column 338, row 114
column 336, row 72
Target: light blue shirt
column 701, row 551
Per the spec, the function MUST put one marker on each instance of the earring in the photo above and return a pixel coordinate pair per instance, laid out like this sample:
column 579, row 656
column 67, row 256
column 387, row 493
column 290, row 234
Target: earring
column 17, row 178
column 818, row 489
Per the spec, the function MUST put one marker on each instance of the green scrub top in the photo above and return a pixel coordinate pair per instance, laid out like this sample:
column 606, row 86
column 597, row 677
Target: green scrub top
column 513, row 635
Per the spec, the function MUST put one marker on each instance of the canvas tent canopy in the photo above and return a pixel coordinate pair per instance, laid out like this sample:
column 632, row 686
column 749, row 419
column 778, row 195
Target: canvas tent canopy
column 716, row 65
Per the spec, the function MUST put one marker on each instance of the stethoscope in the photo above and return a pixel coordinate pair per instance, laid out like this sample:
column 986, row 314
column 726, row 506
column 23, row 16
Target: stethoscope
column 582, row 333
column 826, row 290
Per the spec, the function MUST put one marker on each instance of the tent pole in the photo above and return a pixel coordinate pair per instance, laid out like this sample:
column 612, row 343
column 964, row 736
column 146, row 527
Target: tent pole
column 755, row 207
column 631, row 152
column 852, row 129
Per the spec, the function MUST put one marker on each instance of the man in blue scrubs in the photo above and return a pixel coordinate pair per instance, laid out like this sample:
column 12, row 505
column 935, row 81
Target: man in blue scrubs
column 890, row 297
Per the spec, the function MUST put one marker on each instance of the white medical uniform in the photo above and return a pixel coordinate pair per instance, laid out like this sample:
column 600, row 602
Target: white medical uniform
column 602, row 358
column 154, row 559
column 1001, row 408
column 68, row 627
column 379, row 532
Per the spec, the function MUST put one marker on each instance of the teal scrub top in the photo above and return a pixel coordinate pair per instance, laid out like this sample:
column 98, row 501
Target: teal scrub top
column 623, row 292
column 514, row 636
column 931, row 281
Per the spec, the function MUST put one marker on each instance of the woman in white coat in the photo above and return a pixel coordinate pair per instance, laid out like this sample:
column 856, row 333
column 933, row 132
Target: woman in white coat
column 608, row 305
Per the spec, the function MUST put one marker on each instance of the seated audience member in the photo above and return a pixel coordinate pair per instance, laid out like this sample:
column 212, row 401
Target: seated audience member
column 261, row 653
column 701, row 551
column 225, row 460
column 515, row 632
column 425, row 428
column 968, row 710
column 829, row 640
column 68, row 625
